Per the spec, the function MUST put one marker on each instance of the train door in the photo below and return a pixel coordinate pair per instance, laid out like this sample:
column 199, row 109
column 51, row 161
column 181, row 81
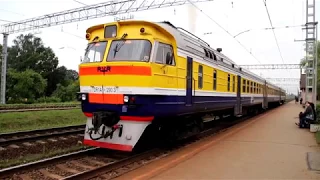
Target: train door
column 279, row 93
column 189, row 81
column 238, row 108
column 164, row 69
column 265, row 96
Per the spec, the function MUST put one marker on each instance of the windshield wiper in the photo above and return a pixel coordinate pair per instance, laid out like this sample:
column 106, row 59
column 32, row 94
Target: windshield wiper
column 119, row 45
column 92, row 44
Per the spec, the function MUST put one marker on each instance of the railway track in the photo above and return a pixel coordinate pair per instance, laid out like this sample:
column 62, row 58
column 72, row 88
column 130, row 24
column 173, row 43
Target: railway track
column 105, row 164
column 25, row 136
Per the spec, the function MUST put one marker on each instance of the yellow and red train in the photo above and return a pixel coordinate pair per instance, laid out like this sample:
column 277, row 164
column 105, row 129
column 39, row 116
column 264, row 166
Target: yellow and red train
column 139, row 75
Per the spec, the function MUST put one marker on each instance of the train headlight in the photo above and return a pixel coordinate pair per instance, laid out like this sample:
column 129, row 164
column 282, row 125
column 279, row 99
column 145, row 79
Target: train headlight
column 125, row 99
column 83, row 97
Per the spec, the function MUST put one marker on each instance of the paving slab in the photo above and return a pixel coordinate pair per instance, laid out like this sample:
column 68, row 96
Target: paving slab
column 313, row 159
column 270, row 146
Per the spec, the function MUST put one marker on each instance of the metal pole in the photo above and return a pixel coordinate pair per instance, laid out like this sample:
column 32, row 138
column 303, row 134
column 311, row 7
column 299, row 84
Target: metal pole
column 316, row 65
column 306, row 67
column 4, row 68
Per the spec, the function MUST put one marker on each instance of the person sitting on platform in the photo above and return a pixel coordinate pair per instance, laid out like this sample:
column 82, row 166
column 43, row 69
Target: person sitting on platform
column 308, row 116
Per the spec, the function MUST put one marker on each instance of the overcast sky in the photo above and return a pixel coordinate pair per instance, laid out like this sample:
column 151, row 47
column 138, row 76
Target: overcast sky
column 235, row 16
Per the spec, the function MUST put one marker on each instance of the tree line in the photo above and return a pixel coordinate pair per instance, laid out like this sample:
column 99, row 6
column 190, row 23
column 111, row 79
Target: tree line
column 303, row 62
column 33, row 74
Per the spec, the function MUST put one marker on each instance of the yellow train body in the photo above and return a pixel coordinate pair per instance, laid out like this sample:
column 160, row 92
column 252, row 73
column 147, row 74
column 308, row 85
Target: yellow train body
column 173, row 77
column 136, row 74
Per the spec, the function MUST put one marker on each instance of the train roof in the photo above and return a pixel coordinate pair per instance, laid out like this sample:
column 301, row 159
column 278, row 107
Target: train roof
column 187, row 41
column 190, row 42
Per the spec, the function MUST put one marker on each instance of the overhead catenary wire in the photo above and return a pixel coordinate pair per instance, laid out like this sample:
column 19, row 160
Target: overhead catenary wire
column 223, row 29
column 7, row 21
column 274, row 34
column 51, row 29
column 3, row 20
column 268, row 28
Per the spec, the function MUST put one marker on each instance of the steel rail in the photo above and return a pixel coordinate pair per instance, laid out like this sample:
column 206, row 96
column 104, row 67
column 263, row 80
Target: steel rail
column 23, row 136
column 44, row 162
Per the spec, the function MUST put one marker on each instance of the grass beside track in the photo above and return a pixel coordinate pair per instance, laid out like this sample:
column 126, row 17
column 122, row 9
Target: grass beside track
column 38, row 105
column 23, row 121
column 317, row 134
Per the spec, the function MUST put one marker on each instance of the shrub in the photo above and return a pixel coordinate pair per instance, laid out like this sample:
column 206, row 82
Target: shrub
column 48, row 100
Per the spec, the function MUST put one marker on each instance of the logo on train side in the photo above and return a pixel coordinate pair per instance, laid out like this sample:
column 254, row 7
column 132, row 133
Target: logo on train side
column 104, row 69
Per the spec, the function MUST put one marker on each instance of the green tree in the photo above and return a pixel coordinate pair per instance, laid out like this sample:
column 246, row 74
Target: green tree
column 29, row 52
column 72, row 75
column 61, row 76
column 23, row 85
column 0, row 53
column 303, row 62
column 67, row 93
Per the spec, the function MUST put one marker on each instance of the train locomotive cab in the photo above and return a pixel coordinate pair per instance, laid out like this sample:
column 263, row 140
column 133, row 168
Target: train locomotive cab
column 116, row 79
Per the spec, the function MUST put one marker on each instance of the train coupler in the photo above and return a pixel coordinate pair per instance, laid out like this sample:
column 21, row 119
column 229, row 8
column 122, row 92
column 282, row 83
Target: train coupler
column 104, row 133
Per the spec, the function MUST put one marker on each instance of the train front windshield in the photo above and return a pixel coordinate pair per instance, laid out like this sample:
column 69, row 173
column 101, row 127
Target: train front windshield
column 95, row 52
column 130, row 50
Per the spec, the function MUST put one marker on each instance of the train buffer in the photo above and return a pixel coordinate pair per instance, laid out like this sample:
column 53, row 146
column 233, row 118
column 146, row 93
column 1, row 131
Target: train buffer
column 268, row 146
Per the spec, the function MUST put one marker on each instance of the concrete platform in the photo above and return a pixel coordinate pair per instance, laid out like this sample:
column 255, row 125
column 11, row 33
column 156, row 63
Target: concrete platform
column 269, row 146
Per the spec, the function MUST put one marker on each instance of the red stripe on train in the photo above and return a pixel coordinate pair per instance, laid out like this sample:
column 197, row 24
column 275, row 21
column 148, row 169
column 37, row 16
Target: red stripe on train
column 108, row 145
column 137, row 118
column 88, row 114
column 129, row 118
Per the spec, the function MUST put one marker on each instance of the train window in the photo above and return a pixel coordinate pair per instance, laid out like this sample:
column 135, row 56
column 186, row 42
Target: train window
column 110, row 31
column 233, row 83
column 214, row 57
column 214, row 80
column 132, row 50
column 251, row 87
column 210, row 54
column 165, row 54
column 254, row 88
column 248, row 86
column 244, row 86
column 228, row 82
column 200, row 77
column 95, row 52
column 206, row 52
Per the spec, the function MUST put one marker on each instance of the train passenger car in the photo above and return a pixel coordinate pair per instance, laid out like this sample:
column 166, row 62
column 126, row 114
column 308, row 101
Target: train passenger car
column 282, row 96
column 140, row 76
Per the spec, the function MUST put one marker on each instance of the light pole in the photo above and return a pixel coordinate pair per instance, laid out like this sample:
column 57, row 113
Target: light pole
column 68, row 47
